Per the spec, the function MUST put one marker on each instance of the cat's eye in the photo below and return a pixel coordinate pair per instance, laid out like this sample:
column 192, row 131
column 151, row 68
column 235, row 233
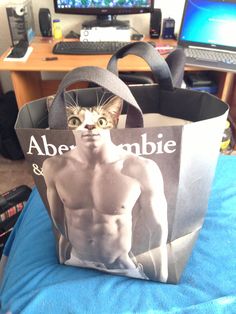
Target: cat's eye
column 75, row 121
column 102, row 122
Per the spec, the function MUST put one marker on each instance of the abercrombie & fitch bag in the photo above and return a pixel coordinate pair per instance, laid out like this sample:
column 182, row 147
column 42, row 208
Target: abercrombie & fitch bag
column 128, row 201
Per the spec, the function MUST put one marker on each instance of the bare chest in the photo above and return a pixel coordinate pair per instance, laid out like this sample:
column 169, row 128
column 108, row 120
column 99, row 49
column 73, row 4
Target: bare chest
column 105, row 189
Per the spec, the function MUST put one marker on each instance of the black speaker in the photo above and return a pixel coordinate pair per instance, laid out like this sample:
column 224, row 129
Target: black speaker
column 45, row 23
column 155, row 23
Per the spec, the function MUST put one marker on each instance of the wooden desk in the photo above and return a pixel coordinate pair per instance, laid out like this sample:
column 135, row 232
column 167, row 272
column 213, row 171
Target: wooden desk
column 28, row 85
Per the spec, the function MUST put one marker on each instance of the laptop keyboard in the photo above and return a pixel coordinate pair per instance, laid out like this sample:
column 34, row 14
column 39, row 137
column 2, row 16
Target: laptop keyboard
column 210, row 55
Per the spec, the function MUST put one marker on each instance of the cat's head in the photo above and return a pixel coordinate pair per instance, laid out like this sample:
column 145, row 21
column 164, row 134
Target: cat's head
column 105, row 116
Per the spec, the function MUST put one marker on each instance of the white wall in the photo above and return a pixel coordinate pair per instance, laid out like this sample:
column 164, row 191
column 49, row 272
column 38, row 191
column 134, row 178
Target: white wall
column 140, row 22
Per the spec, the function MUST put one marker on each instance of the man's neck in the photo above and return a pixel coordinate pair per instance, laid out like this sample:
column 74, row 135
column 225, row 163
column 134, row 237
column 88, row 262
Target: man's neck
column 101, row 155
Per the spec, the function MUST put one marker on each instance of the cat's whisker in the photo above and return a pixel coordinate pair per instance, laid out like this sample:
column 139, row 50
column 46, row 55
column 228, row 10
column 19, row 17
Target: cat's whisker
column 97, row 96
column 107, row 100
column 77, row 98
column 73, row 101
column 100, row 106
column 101, row 100
column 71, row 106
column 69, row 103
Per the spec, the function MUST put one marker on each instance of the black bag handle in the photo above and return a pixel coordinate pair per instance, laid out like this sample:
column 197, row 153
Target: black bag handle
column 156, row 62
column 103, row 78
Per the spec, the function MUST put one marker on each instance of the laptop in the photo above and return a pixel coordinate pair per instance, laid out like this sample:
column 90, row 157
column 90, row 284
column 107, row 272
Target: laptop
column 208, row 34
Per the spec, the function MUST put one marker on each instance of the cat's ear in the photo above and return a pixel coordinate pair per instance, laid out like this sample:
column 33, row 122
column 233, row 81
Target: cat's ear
column 49, row 101
column 114, row 106
column 69, row 110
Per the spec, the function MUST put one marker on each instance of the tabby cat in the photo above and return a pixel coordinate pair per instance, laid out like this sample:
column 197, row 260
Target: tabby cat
column 101, row 116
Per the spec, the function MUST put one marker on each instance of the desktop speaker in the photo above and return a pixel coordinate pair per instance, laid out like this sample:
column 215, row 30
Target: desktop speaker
column 45, row 23
column 168, row 28
column 155, row 23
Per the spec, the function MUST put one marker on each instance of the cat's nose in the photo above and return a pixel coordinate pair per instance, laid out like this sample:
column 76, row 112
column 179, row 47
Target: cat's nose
column 90, row 126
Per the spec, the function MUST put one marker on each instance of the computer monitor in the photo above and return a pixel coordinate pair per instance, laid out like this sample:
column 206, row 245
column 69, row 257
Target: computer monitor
column 105, row 10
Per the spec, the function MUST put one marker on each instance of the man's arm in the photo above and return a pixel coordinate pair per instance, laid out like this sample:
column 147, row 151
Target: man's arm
column 56, row 207
column 153, row 208
column 55, row 204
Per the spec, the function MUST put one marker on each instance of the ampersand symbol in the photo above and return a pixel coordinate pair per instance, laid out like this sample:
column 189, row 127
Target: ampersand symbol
column 37, row 170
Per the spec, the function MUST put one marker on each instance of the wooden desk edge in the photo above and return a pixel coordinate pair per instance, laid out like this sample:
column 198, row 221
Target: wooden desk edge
column 28, row 85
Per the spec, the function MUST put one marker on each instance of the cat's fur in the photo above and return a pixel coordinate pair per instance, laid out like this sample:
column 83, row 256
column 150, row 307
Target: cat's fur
column 101, row 116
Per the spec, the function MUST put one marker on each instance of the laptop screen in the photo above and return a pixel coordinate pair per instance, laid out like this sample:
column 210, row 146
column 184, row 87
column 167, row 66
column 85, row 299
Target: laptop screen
column 209, row 23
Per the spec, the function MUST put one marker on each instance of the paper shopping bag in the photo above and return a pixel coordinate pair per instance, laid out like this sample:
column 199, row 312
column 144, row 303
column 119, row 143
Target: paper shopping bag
column 128, row 201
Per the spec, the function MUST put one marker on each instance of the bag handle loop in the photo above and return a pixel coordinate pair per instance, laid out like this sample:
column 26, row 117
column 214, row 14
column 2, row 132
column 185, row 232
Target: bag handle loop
column 103, row 78
column 156, row 62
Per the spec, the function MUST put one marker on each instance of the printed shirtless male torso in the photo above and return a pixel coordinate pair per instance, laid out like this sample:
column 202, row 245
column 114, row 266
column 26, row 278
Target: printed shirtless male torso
column 93, row 191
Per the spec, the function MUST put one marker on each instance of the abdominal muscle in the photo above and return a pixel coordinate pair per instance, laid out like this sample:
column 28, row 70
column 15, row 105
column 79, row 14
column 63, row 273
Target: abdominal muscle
column 99, row 237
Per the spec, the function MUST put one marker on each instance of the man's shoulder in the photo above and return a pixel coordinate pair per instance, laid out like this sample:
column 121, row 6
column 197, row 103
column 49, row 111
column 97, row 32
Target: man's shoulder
column 139, row 160
column 140, row 165
column 57, row 161
column 144, row 170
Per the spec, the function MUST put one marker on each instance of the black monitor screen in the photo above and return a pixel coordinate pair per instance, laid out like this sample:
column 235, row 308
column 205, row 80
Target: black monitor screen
column 108, row 7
